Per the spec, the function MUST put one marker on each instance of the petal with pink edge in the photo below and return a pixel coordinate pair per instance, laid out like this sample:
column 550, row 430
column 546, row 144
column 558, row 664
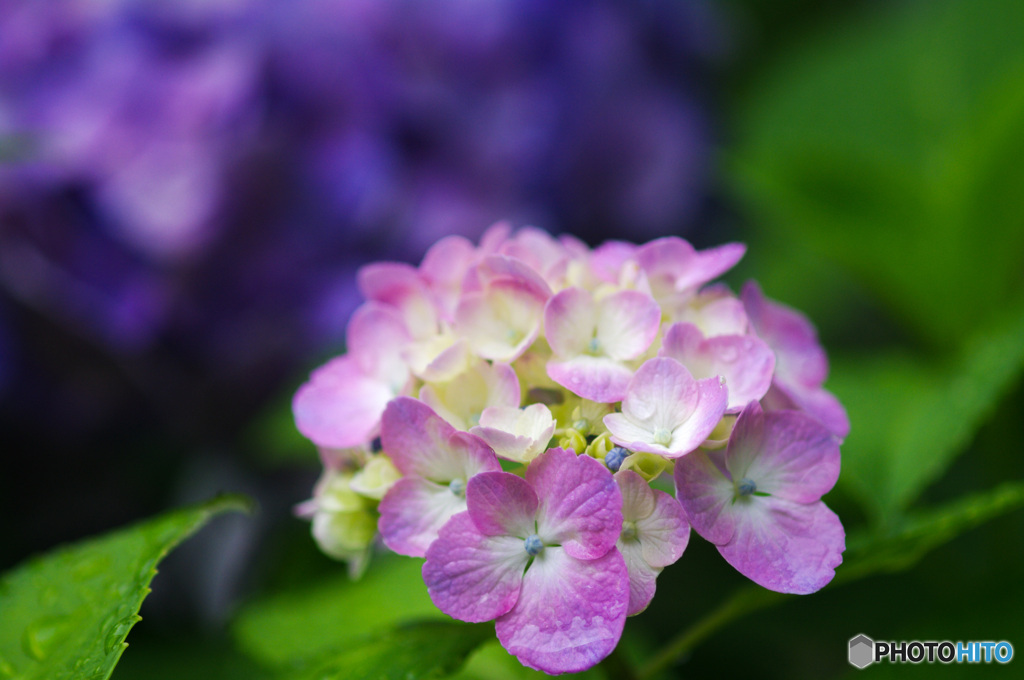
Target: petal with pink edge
column 785, row 453
column 413, row 511
column 627, row 324
column 580, row 504
column 642, row 577
column 501, row 503
column 472, row 576
column 570, row 319
column 420, row 442
column 666, row 411
column 706, row 494
column 665, row 533
column 570, row 613
column 516, row 434
column 817, row 402
column 746, row 362
column 598, row 379
column 785, row 546
column 501, row 323
column 340, row 406
column 799, row 358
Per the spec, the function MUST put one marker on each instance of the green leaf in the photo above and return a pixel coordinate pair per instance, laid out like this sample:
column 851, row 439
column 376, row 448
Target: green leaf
column 415, row 651
column 296, row 625
column 66, row 614
column 890, row 145
column 867, row 553
column 900, row 549
column 909, row 420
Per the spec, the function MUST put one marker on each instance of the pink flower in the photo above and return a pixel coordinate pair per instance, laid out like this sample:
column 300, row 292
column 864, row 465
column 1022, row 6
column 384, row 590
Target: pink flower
column 654, row 535
column 501, row 308
column 341, row 405
column 760, row 501
column 744, row 361
column 539, row 556
column 437, row 462
column 800, row 363
column 591, row 339
column 675, row 270
column 666, row 411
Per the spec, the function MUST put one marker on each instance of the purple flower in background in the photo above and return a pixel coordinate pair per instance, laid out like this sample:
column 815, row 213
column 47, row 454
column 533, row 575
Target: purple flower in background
column 760, row 501
column 197, row 181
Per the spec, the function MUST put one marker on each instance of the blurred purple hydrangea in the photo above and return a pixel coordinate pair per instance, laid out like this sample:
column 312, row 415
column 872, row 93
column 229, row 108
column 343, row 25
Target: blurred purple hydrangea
column 199, row 178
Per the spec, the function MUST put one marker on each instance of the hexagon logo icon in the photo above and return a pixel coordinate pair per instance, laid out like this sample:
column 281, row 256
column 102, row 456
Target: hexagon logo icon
column 862, row 651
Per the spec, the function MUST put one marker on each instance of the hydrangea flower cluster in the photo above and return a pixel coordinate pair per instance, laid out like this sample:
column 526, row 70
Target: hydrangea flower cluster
column 508, row 411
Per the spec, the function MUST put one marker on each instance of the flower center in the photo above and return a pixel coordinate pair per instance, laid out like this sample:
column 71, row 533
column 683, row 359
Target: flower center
column 662, row 437
column 746, row 486
column 613, row 459
column 533, row 545
column 628, row 530
column 594, row 346
column 457, row 487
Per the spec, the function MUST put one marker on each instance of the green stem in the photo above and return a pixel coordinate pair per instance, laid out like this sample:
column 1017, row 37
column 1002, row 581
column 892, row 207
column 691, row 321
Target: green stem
column 742, row 602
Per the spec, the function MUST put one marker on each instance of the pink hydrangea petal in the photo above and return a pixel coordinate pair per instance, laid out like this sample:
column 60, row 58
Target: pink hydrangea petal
column 413, row 511
column 501, row 503
column 473, row 576
column 674, row 266
column 463, row 399
column 496, row 269
column 661, row 395
column 746, row 362
column 715, row 311
column 420, row 442
column 401, row 287
column 818, row 403
column 642, row 577
column 570, row 318
column 706, row 494
column 663, row 398
column 580, row 504
column 598, row 379
column 536, row 248
column 432, row 361
column 516, row 434
column 786, row 453
column 570, row 613
column 501, row 323
column 799, row 357
column 627, row 324
column 665, row 533
column 375, row 338
column 340, row 406
column 443, row 267
column 608, row 259
column 785, row 546
column 637, row 496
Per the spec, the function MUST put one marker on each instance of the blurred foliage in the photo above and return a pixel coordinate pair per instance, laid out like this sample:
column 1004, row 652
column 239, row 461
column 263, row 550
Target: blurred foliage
column 306, row 621
column 66, row 614
column 417, row 651
column 890, row 146
column 910, row 419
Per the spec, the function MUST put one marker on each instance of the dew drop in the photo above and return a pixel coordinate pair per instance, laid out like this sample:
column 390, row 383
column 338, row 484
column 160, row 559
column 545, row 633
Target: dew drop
column 118, row 633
